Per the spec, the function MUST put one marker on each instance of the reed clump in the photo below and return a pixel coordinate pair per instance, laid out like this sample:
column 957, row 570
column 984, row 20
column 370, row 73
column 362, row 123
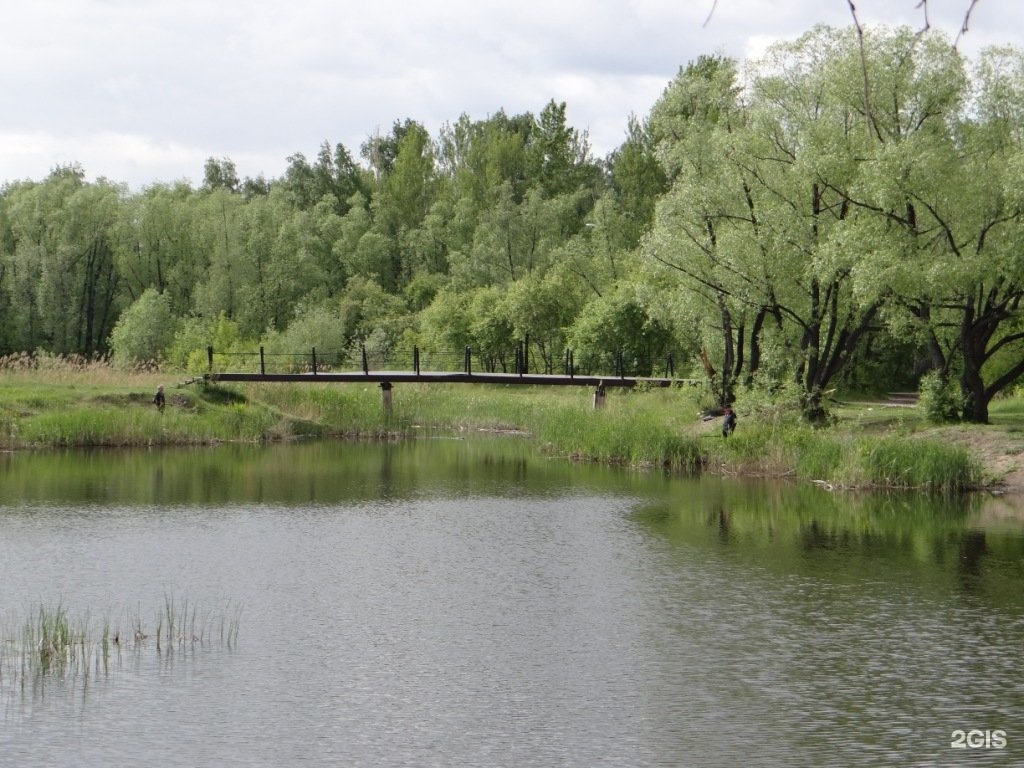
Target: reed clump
column 51, row 643
column 896, row 462
column 617, row 436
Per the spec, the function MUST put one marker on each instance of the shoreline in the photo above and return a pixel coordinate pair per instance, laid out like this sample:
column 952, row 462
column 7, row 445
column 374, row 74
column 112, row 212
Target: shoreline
column 865, row 448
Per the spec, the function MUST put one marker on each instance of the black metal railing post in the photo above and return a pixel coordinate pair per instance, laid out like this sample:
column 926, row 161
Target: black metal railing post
column 366, row 363
column 263, row 363
column 416, row 360
column 314, row 361
column 468, row 363
column 209, row 356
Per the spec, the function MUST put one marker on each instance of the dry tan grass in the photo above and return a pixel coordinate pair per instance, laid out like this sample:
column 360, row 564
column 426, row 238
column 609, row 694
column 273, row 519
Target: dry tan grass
column 75, row 370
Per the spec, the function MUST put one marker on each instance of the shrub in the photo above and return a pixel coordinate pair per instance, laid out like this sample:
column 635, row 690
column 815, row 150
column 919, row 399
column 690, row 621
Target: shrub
column 940, row 400
column 144, row 331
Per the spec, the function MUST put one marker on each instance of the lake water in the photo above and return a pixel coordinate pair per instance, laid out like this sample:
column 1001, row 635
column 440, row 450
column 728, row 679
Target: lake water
column 468, row 603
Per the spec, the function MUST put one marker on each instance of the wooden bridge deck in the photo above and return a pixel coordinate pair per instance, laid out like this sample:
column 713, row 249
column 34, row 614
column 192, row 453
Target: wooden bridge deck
column 456, row 377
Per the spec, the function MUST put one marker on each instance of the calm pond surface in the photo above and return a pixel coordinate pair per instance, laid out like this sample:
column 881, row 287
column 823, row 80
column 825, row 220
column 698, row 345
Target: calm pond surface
column 468, row 603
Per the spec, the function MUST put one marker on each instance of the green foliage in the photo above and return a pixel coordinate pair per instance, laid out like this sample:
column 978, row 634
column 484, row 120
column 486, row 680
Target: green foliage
column 446, row 323
column 319, row 327
column 368, row 311
column 188, row 350
column 940, row 400
column 886, row 362
column 492, row 333
column 638, row 180
column 616, row 322
column 144, row 331
column 58, row 265
column 787, row 210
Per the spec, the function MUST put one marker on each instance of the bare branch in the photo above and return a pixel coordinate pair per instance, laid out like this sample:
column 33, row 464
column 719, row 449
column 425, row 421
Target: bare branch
column 712, row 13
column 863, row 63
column 927, row 24
column 967, row 21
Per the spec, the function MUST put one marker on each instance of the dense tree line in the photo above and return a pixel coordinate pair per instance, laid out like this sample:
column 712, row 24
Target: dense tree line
column 845, row 211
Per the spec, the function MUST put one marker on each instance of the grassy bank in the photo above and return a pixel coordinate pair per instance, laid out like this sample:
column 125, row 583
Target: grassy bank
column 869, row 446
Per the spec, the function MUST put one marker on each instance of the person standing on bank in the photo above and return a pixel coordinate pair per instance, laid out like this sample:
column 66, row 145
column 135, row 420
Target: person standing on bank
column 729, row 422
column 158, row 399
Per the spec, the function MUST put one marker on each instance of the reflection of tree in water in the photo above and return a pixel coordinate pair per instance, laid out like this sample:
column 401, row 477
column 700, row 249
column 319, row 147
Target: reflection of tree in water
column 718, row 518
column 386, row 478
column 970, row 553
column 814, row 535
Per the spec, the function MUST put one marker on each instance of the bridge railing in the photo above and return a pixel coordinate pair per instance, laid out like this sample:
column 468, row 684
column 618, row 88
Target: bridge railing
column 516, row 360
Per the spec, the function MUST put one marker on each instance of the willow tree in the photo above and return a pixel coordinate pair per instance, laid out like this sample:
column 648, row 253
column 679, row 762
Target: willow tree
column 58, row 262
column 802, row 147
column 405, row 191
column 860, row 180
column 160, row 244
column 942, row 183
column 705, row 228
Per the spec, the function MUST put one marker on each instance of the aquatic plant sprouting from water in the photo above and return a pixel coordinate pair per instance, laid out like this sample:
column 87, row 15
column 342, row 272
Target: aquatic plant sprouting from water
column 180, row 623
column 53, row 643
column 50, row 644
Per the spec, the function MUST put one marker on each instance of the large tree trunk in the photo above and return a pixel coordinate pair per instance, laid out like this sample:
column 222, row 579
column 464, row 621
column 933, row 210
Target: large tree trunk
column 812, row 406
column 975, row 398
column 972, row 386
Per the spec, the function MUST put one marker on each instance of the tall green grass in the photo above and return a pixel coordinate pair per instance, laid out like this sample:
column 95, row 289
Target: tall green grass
column 58, row 417
column 842, row 459
column 896, row 462
column 619, row 437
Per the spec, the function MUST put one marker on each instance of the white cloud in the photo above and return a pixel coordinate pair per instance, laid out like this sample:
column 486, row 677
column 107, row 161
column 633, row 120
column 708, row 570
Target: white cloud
column 145, row 90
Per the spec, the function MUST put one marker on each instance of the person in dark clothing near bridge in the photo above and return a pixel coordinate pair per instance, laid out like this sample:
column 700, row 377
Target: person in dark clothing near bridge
column 729, row 422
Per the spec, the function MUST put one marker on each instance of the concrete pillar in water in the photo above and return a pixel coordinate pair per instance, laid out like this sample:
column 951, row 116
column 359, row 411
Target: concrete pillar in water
column 385, row 394
column 599, row 396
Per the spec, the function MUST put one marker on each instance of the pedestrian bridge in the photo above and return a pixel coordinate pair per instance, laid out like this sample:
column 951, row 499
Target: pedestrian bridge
column 314, row 368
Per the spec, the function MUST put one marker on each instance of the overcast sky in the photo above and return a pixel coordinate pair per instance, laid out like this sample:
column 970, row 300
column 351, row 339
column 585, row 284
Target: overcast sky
column 141, row 91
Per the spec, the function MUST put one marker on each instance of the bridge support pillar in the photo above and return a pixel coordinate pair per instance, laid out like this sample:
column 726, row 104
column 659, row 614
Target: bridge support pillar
column 599, row 397
column 385, row 396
